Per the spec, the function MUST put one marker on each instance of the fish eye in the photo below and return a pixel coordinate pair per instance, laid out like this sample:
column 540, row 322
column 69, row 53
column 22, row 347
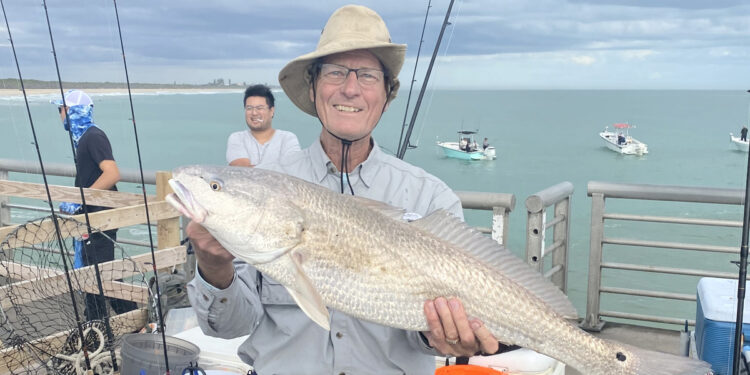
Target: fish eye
column 215, row 185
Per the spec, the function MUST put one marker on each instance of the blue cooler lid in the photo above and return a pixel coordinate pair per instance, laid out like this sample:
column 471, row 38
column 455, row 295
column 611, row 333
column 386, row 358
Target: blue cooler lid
column 719, row 300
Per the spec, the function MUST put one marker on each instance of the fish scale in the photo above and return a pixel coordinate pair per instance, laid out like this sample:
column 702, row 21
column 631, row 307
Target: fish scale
column 359, row 257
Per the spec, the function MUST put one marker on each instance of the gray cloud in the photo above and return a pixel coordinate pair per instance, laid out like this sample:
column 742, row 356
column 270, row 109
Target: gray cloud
column 195, row 41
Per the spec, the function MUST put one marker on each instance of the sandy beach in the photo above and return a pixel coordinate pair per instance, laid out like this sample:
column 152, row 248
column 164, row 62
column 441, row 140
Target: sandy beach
column 30, row 92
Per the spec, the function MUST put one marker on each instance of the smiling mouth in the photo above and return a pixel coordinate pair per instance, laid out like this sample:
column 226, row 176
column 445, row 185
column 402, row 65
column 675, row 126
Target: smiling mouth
column 344, row 108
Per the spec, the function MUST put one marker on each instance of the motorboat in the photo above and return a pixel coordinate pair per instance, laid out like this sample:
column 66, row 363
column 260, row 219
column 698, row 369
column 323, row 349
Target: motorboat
column 739, row 143
column 466, row 148
column 620, row 141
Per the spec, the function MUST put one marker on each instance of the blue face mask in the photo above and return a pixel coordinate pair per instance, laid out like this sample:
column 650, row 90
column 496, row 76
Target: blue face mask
column 80, row 120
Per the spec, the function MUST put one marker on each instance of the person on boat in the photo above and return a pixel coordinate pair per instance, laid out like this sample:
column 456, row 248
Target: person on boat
column 95, row 169
column 467, row 144
column 620, row 139
column 485, row 144
column 346, row 83
column 743, row 133
column 462, row 144
column 260, row 142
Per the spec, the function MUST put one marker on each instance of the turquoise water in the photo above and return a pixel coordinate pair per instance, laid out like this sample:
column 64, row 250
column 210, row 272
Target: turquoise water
column 542, row 138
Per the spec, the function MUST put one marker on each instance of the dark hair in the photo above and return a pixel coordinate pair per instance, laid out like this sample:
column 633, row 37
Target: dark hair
column 259, row 90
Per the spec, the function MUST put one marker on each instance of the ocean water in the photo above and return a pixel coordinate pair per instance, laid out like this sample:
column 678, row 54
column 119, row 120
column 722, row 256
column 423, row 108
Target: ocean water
column 542, row 138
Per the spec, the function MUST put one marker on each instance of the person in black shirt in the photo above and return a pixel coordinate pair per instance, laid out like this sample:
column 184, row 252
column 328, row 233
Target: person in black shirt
column 743, row 133
column 96, row 169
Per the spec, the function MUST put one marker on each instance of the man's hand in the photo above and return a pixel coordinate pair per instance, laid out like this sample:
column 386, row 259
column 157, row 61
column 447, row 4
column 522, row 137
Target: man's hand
column 214, row 261
column 452, row 333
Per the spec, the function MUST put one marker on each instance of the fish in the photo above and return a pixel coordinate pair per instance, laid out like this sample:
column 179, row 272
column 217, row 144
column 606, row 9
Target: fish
column 361, row 257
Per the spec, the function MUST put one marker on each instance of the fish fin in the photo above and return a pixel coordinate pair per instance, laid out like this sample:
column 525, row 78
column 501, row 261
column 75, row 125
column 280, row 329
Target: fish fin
column 392, row 212
column 305, row 294
column 449, row 228
column 649, row 362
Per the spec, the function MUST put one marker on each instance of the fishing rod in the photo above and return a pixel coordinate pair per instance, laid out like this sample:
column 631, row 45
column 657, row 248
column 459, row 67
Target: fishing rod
column 402, row 149
column 86, row 243
column 411, row 85
column 143, row 190
column 63, row 255
column 742, row 275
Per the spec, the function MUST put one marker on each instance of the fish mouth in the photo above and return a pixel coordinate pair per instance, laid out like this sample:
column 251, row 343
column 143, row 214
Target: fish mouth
column 184, row 202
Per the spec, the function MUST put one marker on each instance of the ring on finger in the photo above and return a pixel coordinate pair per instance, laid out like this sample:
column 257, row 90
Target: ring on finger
column 451, row 341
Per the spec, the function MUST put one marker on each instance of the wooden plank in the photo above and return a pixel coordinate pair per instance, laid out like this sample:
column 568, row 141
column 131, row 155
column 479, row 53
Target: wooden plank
column 130, row 321
column 103, row 220
column 27, row 291
column 116, row 289
column 168, row 230
column 20, row 271
column 121, row 290
column 96, row 197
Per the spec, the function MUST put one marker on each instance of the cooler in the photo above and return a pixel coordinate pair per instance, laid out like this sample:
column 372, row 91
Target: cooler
column 715, row 322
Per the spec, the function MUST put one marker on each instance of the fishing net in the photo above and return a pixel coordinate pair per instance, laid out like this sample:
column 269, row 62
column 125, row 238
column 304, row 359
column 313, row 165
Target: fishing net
column 40, row 316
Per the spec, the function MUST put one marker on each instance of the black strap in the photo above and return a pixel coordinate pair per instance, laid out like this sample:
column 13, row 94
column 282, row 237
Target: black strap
column 462, row 360
column 501, row 348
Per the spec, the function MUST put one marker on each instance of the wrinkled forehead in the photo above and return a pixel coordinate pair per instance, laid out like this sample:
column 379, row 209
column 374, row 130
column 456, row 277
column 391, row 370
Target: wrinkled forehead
column 360, row 58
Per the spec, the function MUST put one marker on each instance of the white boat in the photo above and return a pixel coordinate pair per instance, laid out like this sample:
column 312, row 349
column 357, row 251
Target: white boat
column 620, row 141
column 739, row 143
column 467, row 148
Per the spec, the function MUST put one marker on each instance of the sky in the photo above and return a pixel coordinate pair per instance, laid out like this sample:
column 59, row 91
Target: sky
column 489, row 44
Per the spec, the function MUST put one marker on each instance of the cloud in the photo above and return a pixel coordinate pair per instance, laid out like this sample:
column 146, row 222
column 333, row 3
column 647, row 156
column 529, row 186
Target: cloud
column 583, row 60
column 196, row 41
column 637, row 54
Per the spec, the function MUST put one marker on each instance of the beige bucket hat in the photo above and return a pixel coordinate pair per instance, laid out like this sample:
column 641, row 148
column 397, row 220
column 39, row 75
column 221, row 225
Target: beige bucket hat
column 351, row 27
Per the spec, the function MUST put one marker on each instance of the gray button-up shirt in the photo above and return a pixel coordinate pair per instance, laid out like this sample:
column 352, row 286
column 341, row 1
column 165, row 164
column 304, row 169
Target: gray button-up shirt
column 242, row 144
column 283, row 340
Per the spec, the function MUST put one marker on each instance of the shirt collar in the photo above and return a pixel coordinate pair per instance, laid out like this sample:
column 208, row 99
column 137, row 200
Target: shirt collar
column 322, row 164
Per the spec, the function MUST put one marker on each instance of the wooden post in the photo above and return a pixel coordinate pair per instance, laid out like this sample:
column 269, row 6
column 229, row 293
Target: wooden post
column 168, row 230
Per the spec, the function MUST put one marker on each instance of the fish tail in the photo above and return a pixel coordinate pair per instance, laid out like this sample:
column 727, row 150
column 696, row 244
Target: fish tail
column 649, row 362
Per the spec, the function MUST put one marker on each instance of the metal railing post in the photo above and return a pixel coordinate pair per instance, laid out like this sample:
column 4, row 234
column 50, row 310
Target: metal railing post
column 5, row 254
column 535, row 238
column 562, row 236
column 591, row 321
column 500, row 221
column 537, row 224
column 501, row 205
column 4, row 200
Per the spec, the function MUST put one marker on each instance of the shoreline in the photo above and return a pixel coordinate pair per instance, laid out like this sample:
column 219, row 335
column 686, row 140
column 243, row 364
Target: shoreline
column 123, row 91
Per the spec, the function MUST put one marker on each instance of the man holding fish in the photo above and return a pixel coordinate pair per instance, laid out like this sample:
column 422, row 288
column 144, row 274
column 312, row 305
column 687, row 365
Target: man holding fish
column 347, row 83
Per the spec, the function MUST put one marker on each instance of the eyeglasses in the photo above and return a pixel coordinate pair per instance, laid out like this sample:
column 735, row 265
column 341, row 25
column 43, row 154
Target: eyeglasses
column 259, row 108
column 337, row 74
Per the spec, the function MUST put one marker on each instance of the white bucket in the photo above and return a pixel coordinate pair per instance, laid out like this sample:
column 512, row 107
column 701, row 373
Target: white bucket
column 519, row 361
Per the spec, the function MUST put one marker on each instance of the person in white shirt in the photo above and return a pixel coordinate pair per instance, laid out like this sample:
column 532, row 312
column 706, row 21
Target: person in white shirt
column 260, row 142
